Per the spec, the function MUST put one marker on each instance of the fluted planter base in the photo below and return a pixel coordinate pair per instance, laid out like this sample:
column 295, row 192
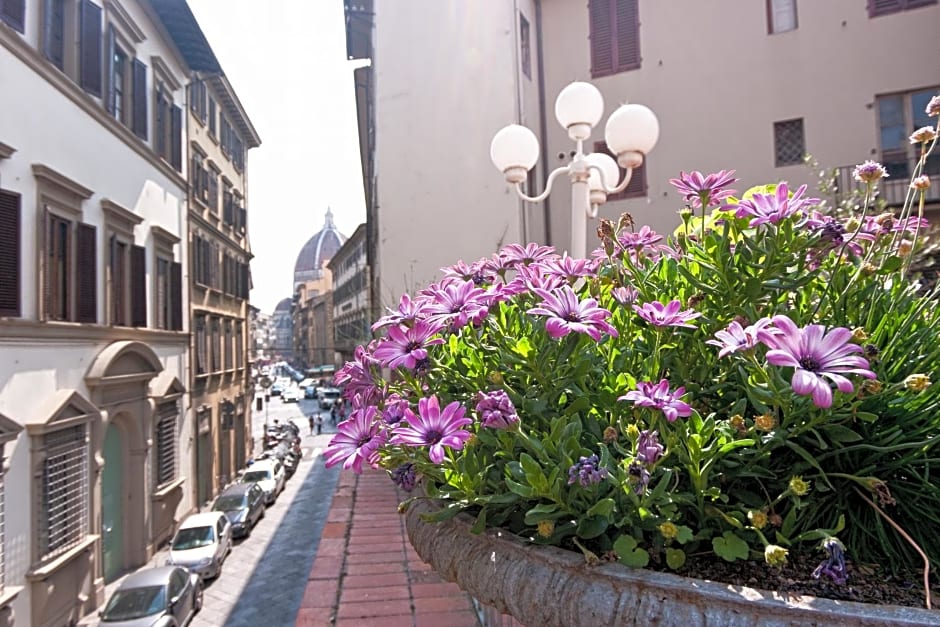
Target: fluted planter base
column 545, row 586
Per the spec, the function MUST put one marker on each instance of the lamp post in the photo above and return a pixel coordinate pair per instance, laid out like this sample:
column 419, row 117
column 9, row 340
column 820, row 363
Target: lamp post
column 631, row 132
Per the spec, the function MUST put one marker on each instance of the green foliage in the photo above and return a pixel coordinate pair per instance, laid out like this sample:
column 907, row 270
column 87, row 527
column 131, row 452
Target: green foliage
column 754, row 462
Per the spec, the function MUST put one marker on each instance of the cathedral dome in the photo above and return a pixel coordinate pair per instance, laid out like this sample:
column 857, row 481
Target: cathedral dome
column 283, row 306
column 318, row 250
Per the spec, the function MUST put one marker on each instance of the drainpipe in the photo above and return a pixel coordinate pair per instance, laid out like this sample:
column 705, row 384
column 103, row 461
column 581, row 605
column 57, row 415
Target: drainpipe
column 517, row 96
column 543, row 123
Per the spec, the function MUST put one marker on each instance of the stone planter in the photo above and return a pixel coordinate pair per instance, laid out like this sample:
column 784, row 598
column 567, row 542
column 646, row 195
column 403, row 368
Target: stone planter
column 546, row 586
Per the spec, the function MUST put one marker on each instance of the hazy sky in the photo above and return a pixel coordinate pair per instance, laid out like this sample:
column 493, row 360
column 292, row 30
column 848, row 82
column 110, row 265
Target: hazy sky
column 286, row 60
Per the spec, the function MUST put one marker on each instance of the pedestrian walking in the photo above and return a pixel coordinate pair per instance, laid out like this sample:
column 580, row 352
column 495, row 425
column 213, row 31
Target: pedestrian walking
column 333, row 414
column 319, row 424
column 311, row 419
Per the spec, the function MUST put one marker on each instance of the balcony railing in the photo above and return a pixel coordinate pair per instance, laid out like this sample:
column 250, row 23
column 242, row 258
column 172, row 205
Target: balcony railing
column 893, row 190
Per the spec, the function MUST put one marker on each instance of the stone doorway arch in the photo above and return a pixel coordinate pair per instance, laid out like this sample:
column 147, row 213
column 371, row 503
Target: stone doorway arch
column 119, row 381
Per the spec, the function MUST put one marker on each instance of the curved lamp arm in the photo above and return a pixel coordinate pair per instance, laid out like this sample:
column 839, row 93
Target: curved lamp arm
column 548, row 185
column 622, row 185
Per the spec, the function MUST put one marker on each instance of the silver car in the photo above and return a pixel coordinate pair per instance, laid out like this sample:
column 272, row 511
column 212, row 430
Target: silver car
column 202, row 543
column 154, row 597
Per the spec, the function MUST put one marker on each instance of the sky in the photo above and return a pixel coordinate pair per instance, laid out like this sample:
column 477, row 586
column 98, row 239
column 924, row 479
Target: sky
column 286, row 60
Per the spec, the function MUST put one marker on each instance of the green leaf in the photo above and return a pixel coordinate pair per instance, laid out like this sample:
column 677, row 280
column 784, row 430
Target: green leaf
column 480, row 523
column 684, row 535
column 629, row 553
column 442, row 514
column 730, row 547
column 604, row 507
column 543, row 511
column 839, row 433
column 522, row 346
column 518, row 488
column 592, row 526
column 675, row 558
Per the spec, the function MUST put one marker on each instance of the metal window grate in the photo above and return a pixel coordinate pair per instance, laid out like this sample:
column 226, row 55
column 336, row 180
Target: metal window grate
column 789, row 142
column 166, row 443
column 64, row 516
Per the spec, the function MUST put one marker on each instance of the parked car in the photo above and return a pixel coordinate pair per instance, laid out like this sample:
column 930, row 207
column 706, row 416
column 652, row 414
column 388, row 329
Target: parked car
column 202, row 543
column 329, row 397
column 269, row 475
column 290, row 395
column 310, row 391
column 155, row 597
column 243, row 504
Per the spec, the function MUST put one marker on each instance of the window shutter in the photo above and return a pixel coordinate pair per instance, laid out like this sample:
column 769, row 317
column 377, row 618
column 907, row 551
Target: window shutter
column 139, row 93
column 176, row 138
column 13, row 12
column 138, row 286
column 879, row 7
column 602, row 52
column 176, row 296
column 628, row 34
column 53, row 46
column 109, row 71
column 87, row 273
column 90, row 47
column 9, row 253
column 242, row 219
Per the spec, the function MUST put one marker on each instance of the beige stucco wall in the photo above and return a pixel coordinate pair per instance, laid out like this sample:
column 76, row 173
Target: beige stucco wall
column 445, row 83
column 718, row 81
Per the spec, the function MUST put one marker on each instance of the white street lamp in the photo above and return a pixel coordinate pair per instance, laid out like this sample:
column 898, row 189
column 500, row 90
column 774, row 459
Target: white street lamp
column 631, row 132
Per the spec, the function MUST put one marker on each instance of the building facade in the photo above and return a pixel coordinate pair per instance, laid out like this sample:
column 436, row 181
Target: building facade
column 352, row 307
column 94, row 380
column 744, row 85
column 219, row 136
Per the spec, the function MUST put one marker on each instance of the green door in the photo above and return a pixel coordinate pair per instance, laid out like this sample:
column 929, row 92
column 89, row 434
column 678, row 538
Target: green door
column 112, row 490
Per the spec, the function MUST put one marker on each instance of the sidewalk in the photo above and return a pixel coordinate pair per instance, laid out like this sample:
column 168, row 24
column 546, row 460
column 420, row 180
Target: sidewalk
column 365, row 571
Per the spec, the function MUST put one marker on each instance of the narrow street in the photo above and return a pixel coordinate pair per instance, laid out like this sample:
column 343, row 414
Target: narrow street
column 263, row 578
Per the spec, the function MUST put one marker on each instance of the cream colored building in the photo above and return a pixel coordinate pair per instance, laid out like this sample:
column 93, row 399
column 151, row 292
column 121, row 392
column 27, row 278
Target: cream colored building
column 93, row 379
column 739, row 84
column 352, row 306
column 220, row 135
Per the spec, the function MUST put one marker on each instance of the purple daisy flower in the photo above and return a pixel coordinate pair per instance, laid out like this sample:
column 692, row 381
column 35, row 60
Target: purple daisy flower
column 405, row 476
column 586, row 471
column 658, row 396
column 409, row 312
column 700, row 190
column 772, row 208
column 736, row 338
column 815, row 356
column 394, row 411
column 566, row 314
column 569, row 268
column 356, row 376
column 625, row 295
column 479, row 272
column 648, row 448
column 407, row 346
column 639, row 476
column 535, row 276
column 666, row 315
column 834, row 565
column 357, row 440
column 456, row 304
column 496, row 410
column 515, row 255
column 434, row 428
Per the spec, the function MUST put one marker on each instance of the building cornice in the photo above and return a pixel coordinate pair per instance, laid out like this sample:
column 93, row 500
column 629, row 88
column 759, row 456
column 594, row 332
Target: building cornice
column 6, row 151
column 199, row 220
column 47, row 174
column 120, row 218
column 166, row 74
column 11, row 41
column 164, row 236
column 17, row 331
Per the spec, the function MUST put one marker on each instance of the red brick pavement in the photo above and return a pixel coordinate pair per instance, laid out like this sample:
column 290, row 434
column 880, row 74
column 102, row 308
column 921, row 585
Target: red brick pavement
column 366, row 573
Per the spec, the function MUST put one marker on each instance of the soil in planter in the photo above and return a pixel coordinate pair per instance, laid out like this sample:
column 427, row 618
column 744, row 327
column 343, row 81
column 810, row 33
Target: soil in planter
column 866, row 583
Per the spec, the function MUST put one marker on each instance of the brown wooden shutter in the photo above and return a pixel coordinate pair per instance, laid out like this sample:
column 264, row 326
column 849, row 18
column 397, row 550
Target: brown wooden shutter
column 9, row 253
column 628, row 35
column 86, row 279
column 602, row 41
column 53, row 44
column 880, row 7
column 176, row 296
column 138, row 286
column 176, row 138
column 13, row 12
column 109, row 86
column 90, row 47
column 139, row 91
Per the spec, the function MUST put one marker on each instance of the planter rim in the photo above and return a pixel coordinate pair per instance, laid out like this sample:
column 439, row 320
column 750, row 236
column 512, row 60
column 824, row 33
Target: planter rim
column 545, row 585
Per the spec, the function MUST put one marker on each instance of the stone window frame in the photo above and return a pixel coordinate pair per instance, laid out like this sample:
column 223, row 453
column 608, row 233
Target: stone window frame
column 164, row 245
column 75, row 411
column 60, row 196
column 119, row 223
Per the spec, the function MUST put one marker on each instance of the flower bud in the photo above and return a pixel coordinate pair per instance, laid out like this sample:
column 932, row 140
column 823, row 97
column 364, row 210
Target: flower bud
column 869, row 172
column 737, row 422
column 798, row 486
column 917, row 382
column 610, row 435
column 775, row 519
column 669, row 530
column 775, row 555
column 625, row 221
column 633, row 432
column 923, row 135
column 859, row 335
column 765, row 422
column 546, row 528
column 870, row 387
column 904, row 249
column 921, row 183
column 758, row 518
